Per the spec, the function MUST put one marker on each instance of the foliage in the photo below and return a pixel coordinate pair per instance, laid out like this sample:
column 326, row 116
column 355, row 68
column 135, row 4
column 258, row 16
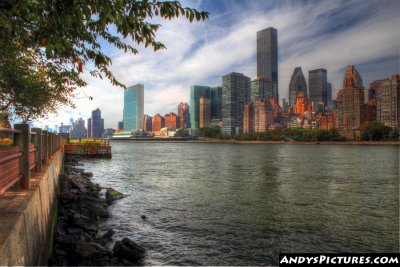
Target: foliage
column 46, row 43
column 85, row 141
column 375, row 131
column 6, row 142
column 297, row 134
column 182, row 133
column 210, row 132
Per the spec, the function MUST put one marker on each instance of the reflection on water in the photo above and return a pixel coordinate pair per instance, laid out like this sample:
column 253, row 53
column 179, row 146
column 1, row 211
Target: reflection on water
column 225, row 204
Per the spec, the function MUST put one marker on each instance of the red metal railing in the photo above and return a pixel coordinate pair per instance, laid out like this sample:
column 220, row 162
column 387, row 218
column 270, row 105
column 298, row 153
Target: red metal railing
column 30, row 151
column 32, row 163
column 9, row 167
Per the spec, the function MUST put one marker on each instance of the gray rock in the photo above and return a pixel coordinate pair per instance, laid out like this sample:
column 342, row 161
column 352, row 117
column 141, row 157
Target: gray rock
column 87, row 174
column 128, row 250
column 113, row 195
column 89, row 250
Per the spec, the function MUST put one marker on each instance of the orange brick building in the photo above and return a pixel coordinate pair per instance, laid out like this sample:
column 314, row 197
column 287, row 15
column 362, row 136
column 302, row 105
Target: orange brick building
column 172, row 121
column 158, row 122
column 302, row 104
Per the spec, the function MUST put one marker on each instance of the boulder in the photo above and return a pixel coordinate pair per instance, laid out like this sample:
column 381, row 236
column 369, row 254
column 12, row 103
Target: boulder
column 112, row 195
column 89, row 250
column 108, row 235
column 128, row 250
column 87, row 174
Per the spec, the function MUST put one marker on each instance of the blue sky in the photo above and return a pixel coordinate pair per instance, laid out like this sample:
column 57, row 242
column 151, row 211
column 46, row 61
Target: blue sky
column 311, row 34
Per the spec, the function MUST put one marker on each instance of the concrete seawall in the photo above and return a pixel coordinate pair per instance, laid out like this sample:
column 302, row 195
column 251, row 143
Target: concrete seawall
column 27, row 217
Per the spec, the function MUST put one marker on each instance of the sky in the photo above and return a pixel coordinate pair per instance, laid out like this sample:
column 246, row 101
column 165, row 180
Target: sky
column 311, row 34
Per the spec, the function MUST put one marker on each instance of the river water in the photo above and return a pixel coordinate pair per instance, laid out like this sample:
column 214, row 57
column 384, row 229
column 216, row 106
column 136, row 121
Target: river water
column 231, row 204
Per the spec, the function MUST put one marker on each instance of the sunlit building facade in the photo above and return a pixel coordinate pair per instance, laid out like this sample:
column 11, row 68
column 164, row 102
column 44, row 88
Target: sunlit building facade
column 204, row 112
column 350, row 101
column 196, row 92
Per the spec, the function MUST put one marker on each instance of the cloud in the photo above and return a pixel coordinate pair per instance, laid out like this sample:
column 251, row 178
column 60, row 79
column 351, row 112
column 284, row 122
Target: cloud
column 311, row 34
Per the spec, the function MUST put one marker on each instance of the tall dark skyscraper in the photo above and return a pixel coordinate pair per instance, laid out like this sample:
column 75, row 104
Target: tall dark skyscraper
column 95, row 124
column 216, row 102
column 267, row 56
column 235, row 94
column 297, row 84
column 318, row 86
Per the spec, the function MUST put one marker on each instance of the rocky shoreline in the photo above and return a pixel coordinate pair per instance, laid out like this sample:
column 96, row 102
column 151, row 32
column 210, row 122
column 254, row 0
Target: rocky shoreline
column 78, row 238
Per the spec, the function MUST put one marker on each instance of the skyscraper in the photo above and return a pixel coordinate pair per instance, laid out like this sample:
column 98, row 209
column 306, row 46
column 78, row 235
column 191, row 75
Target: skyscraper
column 388, row 102
column 95, row 124
column 235, row 93
column 216, row 102
column 297, row 84
column 350, row 101
column 267, row 56
column 329, row 104
column 78, row 129
column 318, row 86
column 196, row 92
column 184, row 115
column 205, row 112
column 134, row 107
column 262, row 88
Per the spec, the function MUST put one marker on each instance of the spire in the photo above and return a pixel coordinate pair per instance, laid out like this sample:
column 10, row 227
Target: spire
column 352, row 79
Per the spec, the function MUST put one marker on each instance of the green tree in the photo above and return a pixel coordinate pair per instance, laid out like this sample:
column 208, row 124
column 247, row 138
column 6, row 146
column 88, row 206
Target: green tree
column 45, row 45
column 375, row 131
column 182, row 133
column 211, row 132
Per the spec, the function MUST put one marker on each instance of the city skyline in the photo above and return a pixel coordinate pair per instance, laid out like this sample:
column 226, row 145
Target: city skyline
column 202, row 52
